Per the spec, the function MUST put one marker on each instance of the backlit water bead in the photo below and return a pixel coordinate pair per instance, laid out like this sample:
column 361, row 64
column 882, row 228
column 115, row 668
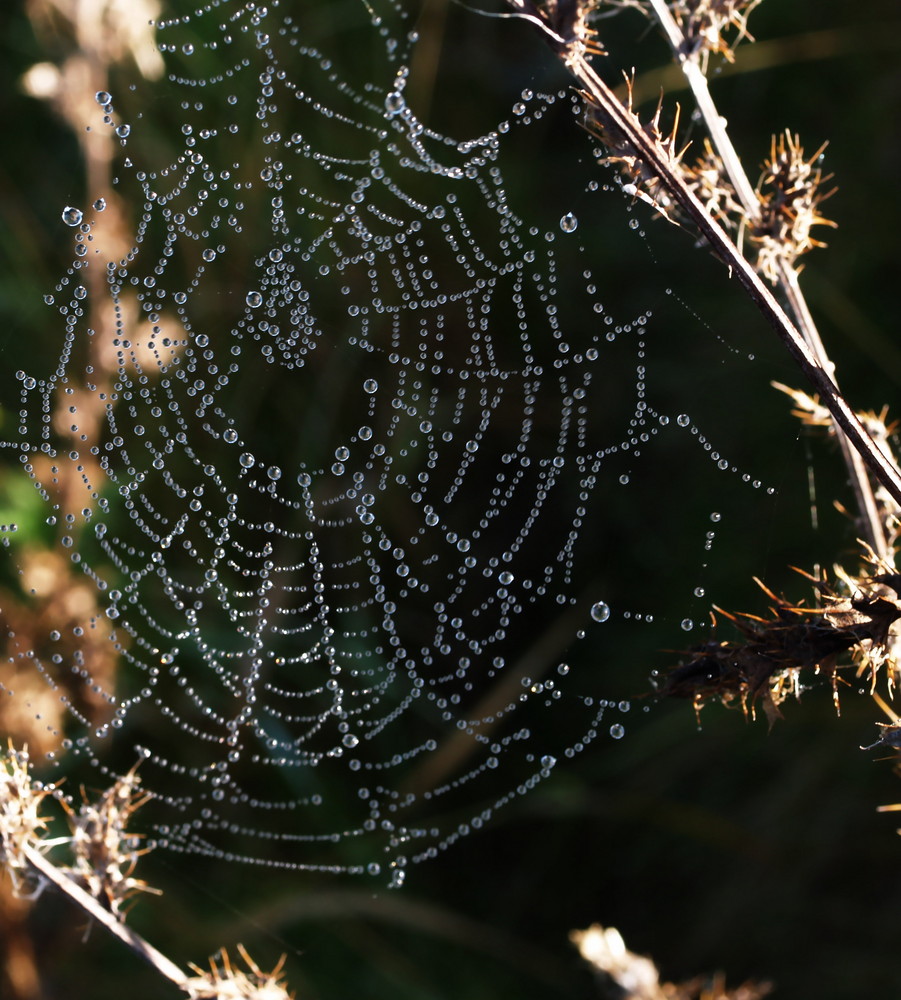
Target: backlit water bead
column 617, row 731
column 123, row 131
column 72, row 216
column 370, row 386
column 247, row 460
column 683, row 420
column 600, row 611
column 254, row 300
column 686, row 624
column 394, row 103
column 569, row 223
column 100, row 204
column 102, row 97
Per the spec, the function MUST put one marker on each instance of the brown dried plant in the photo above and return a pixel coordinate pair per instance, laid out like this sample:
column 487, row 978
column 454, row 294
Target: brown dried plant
column 101, row 878
column 22, row 824
column 655, row 172
column 761, row 234
column 787, row 651
column 790, row 192
column 636, row 977
column 106, row 851
column 227, row 982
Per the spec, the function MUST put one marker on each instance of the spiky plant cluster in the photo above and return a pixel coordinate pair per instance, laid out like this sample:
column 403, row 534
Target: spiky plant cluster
column 778, row 215
column 786, row 651
column 713, row 26
column 106, row 852
column 565, row 24
column 21, row 822
column 790, row 192
column 227, row 982
column 640, row 179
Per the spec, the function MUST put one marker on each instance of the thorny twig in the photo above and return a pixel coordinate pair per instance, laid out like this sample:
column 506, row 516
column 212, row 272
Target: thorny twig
column 101, row 878
column 564, row 25
column 691, row 55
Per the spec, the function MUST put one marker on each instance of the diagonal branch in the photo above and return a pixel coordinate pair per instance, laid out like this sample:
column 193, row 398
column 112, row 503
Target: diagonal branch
column 562, row 23
column 788, row 277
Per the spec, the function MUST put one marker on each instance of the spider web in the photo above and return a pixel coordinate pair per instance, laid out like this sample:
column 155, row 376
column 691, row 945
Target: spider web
column 341, row 450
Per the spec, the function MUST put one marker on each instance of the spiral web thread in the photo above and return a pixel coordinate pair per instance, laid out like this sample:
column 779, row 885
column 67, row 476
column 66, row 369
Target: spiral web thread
column 352, row 446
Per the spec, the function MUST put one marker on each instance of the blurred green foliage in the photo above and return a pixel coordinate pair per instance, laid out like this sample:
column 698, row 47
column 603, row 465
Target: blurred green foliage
column 732, row 848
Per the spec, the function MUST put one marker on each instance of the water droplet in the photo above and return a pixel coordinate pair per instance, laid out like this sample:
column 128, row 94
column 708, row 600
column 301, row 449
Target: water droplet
column 699, row 592
column 102, row 97
column 569, row 223
column 254, row 300
column 683, row 420
column 600, row 612
column 634, row 223
column 617, row 731
column 370, row 385
column 100, row 204
column 394, row 103
column 230, row 436
column 506, row 578
column 123, row 131
column 686, row 625
column 548, row 761
column 350, row 741
column 247, row 460
column 716, row 517
column 72, row 216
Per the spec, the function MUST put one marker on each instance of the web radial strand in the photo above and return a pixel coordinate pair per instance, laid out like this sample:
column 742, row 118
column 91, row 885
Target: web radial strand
column 331, row 457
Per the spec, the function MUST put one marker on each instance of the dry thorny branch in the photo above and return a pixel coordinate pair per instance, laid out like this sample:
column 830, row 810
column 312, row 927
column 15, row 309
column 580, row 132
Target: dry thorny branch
column 771, row 228
column 716, row 196
column 101, row 877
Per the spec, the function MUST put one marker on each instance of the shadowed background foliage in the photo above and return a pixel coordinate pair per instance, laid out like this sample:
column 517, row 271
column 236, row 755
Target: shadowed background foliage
column 759, row 853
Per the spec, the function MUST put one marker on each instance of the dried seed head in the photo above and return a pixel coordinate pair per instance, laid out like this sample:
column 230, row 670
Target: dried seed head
column 225, row 982
column 790, row 192
column 707, row 23
column 564, row 24
column 640, row 179
column 708, row 181
column 21, row 824
column 106, row 853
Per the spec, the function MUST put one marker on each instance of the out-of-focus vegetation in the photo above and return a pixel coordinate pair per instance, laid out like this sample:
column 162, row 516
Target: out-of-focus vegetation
column 731, row 848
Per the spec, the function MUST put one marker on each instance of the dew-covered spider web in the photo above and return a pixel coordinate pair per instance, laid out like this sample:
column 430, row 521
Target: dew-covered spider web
column 353, row 457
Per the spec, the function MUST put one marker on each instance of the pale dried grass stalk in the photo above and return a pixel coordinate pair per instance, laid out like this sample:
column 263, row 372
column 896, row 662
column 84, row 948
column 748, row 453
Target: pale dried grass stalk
column 102, row 878
column 654, row 162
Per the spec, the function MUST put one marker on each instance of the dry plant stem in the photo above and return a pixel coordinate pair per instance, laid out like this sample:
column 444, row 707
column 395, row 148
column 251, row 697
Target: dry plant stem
column 788, row 277
column 873, row 522
column 90, row 905
column 882, row 469
column 715, row 125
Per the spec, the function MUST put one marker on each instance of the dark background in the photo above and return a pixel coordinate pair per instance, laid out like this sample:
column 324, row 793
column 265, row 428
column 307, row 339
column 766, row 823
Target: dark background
column 759, row 853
